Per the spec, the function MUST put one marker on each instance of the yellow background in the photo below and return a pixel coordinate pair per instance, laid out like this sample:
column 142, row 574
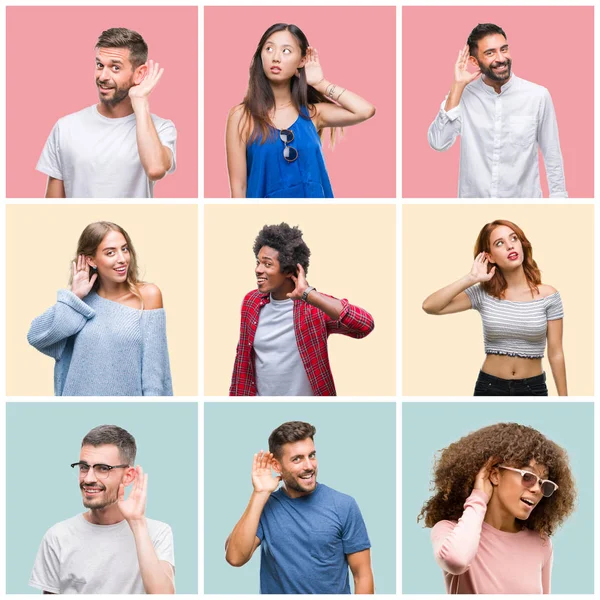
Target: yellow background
column 41, row 243
column 441, row 355
column 352, row 256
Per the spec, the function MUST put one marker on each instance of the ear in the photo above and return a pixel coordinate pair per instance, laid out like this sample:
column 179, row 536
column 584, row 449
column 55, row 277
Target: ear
column 302, row 62
column 90, row 262
column 140, row 74
column 495, row 475
column 276, row 465
column 129, row 477
column 490, row 259
column 473, row 61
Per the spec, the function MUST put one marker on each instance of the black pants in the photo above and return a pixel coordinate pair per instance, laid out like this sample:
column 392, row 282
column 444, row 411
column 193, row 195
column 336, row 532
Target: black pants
column 488, row 385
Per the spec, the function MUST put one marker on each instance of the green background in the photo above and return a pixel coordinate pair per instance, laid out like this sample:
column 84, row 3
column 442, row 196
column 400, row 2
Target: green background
column 355, row 445
column 428, row 427
column 43, row 439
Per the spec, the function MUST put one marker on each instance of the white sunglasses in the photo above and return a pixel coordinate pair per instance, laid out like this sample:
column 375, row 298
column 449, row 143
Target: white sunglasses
column 529, row 479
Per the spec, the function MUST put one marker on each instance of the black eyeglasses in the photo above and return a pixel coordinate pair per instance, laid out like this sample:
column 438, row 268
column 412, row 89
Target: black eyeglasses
column 287, row 137
column 101, row 471
column 529, row 479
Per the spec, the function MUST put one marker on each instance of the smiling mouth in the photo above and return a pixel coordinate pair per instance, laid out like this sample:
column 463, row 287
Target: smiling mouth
column 121, row 270
column 92, row 491
column 528, row 502
column 260, row 280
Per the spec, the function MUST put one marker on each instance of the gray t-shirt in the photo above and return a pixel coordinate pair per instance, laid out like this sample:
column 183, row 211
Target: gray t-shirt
column 278, row 366
column 97, row 157
column 78, row 557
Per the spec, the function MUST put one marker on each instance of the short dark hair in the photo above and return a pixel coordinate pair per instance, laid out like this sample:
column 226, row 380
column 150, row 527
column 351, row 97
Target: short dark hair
column 119, row 37
column 292, row 431
column 114, row 436
column 288, row 242
column 481, row 31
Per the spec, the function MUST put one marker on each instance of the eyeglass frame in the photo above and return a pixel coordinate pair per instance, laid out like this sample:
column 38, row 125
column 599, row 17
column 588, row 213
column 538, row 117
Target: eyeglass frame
column 539, row 479
column 93, row 467
column 286, row 144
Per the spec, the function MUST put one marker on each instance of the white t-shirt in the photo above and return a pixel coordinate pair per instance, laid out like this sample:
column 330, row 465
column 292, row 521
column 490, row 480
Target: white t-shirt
column 278, row 365
column 78, row 557
column 97, row 157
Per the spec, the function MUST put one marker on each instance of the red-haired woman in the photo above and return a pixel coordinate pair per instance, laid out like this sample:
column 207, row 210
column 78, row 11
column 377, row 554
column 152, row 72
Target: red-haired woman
column 520, row 314
column 273, row 137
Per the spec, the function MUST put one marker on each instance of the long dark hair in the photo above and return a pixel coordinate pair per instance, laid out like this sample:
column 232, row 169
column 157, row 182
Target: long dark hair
column 259, row 99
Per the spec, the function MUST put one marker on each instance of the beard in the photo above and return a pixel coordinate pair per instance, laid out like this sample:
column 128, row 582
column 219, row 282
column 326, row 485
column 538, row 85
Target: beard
column 291, row 482
column 491, row 74
column 119, row 94
column 106, row 498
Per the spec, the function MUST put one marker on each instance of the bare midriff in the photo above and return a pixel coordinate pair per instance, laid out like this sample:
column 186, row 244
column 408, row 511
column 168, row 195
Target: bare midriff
column 511, row 367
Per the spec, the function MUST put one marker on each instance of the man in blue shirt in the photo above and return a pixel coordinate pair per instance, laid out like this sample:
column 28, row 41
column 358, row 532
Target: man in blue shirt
column 309, row 534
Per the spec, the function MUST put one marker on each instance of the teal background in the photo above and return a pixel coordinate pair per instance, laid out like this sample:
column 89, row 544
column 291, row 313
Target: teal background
column 43, row 439
column 356, row 449
column 428, row 427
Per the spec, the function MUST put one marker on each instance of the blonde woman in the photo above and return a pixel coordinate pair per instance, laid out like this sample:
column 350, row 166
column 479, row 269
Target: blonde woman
column 107, row 333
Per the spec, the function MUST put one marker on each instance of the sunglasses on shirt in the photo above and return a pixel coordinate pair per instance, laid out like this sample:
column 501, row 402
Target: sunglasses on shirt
column 287, row 137
column 529, row 479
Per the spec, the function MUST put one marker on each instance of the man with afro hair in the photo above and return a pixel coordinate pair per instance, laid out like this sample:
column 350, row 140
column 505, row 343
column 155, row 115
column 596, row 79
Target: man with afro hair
column 282, row 350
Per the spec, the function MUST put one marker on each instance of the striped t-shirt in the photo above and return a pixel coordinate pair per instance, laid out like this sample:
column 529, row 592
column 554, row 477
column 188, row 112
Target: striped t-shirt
column 515, row 328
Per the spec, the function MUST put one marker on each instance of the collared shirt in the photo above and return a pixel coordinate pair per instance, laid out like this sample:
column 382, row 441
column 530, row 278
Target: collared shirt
column 312, row 327
column 500, row 135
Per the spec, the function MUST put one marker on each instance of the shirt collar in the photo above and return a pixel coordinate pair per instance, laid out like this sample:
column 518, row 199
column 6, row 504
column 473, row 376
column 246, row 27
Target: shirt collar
column 490, row 90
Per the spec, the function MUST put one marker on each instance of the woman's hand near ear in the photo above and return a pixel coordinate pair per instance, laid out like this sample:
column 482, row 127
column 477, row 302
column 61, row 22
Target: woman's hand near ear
column 81, row 283
column 479, row 270
column 312, row 67
column 482, row 479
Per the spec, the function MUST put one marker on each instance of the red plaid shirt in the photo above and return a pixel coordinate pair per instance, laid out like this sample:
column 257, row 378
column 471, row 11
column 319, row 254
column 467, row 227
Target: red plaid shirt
column 312, row 327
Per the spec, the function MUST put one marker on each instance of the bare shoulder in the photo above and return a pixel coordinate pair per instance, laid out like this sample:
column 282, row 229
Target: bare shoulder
column 235, row 114
column 152, row 296
column 546, row 290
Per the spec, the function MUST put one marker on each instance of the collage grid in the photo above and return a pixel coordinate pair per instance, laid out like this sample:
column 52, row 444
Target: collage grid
column 388, row 409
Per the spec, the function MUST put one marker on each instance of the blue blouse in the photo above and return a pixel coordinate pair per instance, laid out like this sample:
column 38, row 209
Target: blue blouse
column 271, row 176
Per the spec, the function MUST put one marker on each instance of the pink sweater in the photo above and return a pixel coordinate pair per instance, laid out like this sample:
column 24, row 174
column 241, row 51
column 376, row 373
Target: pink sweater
column 478, row 559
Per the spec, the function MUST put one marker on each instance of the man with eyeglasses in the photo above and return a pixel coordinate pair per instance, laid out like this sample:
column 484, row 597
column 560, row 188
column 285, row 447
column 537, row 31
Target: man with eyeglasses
column 112, row 548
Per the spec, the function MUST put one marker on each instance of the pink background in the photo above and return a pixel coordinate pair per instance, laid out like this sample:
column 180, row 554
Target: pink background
column 357, row 48
column 50, row 74
column 550, row 46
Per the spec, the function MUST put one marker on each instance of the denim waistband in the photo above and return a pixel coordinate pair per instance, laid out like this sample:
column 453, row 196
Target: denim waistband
column 493, row 379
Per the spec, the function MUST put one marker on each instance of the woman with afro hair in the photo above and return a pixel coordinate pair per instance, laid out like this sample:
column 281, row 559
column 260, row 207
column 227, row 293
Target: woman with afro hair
column 282, row 350
column 499, row 494
column 520, row 314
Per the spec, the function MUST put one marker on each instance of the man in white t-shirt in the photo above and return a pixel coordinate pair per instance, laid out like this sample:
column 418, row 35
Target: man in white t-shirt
column 113, row 548
column 116, row 148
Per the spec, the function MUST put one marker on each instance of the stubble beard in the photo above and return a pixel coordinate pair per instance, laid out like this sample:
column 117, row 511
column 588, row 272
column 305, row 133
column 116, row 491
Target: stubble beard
column 490, row 74
column 99, row 503
column 292, row 483
column 120, row 94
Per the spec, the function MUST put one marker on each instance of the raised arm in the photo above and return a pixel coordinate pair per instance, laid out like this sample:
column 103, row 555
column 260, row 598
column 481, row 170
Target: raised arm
column 155, row 158
column 447, row 125
column 235, row 147
column 452, row 298
column 243, row 541
column 158, row 576
column 50, row 331
column 350, row 109
column 343, row 317
column 556, row 357
column 455, row 545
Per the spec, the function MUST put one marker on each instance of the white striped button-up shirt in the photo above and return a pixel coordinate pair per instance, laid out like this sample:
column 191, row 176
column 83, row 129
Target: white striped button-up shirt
column 501, row 134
